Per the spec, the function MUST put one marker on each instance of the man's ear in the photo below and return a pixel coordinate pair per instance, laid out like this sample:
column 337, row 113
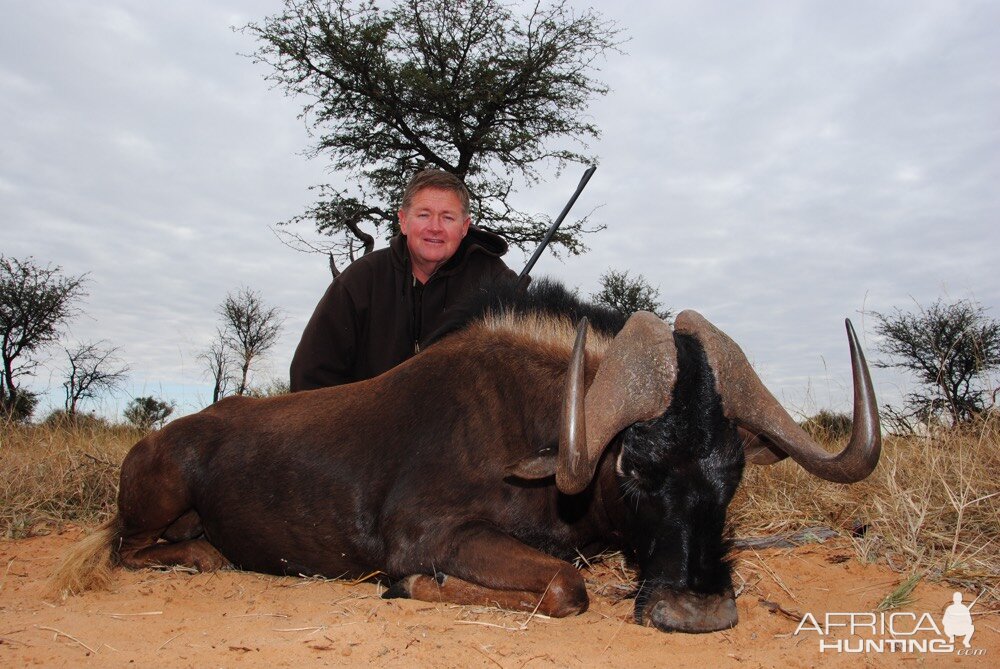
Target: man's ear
column 465, row 225
column 401, row 215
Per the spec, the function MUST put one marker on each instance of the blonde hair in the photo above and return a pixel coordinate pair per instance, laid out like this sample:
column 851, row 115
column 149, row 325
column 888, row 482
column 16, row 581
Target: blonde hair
column 432, row 177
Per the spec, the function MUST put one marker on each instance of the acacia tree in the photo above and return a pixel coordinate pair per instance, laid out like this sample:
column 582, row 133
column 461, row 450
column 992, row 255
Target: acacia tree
column 948, row 347
column 628, row 295
column 94, row 368
column 148, row 412
column 218, row 363
column 250, row 329
column 35, row 303
column 468, row 87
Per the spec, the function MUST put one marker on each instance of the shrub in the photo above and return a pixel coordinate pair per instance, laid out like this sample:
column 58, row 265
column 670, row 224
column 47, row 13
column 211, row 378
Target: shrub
column 147, row 413
column 828, row 426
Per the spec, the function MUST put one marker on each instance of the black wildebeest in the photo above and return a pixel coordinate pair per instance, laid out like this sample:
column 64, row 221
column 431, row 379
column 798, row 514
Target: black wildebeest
column 473, row 471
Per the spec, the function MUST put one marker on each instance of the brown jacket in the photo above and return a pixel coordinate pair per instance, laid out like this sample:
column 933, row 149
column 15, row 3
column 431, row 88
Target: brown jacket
column 375, row 314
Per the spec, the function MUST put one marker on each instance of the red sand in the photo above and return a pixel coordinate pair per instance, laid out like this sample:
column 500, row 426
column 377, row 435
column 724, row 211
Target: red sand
column 236, row 619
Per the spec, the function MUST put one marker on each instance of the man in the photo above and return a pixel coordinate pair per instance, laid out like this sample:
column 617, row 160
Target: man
column 384, row 306
column 957, row 620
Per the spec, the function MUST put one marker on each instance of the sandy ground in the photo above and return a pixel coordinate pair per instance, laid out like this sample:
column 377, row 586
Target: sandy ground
column 235, row 619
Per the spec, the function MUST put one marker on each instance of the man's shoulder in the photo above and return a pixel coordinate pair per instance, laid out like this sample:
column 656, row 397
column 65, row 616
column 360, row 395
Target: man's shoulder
column 480, row 264
column 367, row 266
column 481, row 254
column 374, row 259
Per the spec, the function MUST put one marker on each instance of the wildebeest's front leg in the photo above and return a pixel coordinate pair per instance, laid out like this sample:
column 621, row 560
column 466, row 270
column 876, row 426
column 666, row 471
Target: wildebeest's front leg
column 489, row 567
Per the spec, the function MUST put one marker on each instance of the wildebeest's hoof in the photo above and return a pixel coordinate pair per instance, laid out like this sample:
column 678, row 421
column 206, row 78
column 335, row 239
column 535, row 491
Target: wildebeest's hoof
column 404, row 588
column 401, row 589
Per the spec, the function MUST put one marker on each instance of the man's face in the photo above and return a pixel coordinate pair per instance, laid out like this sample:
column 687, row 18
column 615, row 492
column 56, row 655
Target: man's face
column 434, row 225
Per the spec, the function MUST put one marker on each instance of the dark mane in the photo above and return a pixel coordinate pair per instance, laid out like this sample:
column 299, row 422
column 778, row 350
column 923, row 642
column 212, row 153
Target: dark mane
column 543, row 296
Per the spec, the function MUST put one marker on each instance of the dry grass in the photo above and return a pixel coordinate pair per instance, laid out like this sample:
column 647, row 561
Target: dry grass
column 53, row 474
column 901, row 596
column 932, row 508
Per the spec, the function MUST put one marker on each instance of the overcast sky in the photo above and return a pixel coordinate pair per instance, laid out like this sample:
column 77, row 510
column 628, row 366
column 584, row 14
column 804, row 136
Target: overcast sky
column 777, row 166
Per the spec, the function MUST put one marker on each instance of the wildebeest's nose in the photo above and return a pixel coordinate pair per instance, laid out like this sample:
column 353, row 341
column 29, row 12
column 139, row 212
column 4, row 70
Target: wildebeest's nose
column 671, row 611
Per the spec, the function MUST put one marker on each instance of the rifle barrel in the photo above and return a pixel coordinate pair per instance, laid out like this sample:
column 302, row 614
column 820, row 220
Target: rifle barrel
column 523, row 276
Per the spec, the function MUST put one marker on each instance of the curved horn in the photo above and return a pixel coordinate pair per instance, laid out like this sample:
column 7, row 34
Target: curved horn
column 633, row 383
column 746, row 401
column 573, row 468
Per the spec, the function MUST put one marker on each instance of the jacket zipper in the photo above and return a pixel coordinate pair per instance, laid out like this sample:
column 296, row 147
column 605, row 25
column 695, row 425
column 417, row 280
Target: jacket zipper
column 418, row 299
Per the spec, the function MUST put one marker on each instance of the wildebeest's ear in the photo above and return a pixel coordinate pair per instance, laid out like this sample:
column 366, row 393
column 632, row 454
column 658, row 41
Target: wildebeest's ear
column 538, row 466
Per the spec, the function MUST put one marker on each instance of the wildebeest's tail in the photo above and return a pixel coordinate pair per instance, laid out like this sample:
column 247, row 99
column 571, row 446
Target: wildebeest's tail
column 87, row 565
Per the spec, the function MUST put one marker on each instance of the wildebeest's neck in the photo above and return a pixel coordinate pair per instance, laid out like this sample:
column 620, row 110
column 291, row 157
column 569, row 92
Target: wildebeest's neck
column 507, row 368
column 542, row 298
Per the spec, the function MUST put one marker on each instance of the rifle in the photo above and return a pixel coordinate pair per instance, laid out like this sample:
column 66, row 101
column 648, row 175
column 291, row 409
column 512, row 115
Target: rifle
column 522, row 278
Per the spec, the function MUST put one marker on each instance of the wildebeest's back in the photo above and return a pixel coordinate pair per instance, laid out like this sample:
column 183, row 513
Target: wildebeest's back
column 311, row 483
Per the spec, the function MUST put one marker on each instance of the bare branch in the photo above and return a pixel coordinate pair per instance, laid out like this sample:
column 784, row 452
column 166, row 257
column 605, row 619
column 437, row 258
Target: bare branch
column 94, row 369
column 218, row 364
column 250, row 329
column 35, row 303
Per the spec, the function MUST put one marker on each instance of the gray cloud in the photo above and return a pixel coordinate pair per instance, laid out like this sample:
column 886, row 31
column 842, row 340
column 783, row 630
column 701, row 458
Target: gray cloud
column 776, row 166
